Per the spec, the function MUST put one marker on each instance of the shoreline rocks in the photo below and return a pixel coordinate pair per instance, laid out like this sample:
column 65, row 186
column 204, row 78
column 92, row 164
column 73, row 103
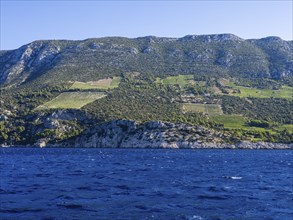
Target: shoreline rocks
column 164, row 145
column 154, row 134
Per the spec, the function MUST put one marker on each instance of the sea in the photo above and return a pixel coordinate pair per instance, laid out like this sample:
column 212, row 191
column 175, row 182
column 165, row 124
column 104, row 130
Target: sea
column 59, row 183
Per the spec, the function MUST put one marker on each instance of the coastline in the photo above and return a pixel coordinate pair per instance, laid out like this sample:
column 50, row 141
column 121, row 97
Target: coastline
column 153, row 135
column 239, row 146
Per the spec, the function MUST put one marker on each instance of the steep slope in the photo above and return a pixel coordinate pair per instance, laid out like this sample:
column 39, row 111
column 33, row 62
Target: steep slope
column 48, row 62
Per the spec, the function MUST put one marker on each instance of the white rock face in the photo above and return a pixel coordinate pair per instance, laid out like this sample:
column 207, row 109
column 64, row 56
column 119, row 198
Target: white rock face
column 155, row 134
column 213, row 38
column 36, row 54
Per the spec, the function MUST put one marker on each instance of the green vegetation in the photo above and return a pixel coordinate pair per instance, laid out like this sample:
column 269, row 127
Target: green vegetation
column 285, row 92
column 258, row 123
column 181, row 80
column 287, row 127
column 256, row 88
column 142, row 98
column 258, row 83
column 3, row 132
column 225, row 78
column 71, row 100
column 100, row 58
column 271, row 110
column 230, row 121
column 59, row 134
column 144, row 102
column 254, row 130
column 210, row 109
column 102, row 84
column 190, row 107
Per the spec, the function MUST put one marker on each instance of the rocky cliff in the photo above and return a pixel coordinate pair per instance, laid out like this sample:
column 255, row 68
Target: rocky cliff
column 156, row 134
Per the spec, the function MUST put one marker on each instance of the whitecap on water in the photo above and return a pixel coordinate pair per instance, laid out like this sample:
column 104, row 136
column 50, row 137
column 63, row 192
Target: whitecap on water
column 233, row 177
column 236, row 177
column 196, row 217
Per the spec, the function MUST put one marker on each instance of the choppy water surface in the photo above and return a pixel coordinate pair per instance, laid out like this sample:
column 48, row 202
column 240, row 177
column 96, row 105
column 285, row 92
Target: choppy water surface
column 146, row 184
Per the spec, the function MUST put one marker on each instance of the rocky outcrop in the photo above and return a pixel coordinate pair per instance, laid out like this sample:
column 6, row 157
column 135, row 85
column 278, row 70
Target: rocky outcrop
column 263, row 145
column 54, row 124
column 157, row 134
column 27, row 59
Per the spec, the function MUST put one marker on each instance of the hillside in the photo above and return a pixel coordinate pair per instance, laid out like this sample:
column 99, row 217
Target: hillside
column 52, row 61
column 207, row 90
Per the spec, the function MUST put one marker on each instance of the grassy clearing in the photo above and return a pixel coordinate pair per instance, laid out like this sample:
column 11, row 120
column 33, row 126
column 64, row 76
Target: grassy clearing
column 285, row 92
column 210, row 109
column 104, row 84
column 289, row 127
column 180, row 80
column 239, row 122
column 72, row 100
column 190, row 107
column 230, row 121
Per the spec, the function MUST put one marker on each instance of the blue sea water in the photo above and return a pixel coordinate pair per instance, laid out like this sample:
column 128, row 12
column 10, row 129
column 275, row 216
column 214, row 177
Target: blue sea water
column 146, row 184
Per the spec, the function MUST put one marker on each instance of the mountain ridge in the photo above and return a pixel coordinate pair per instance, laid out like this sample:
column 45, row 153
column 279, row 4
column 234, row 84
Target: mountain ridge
column 226, row 54
column 229, row 35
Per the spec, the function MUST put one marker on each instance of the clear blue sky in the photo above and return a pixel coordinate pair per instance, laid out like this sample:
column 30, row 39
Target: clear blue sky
column 25, row 21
